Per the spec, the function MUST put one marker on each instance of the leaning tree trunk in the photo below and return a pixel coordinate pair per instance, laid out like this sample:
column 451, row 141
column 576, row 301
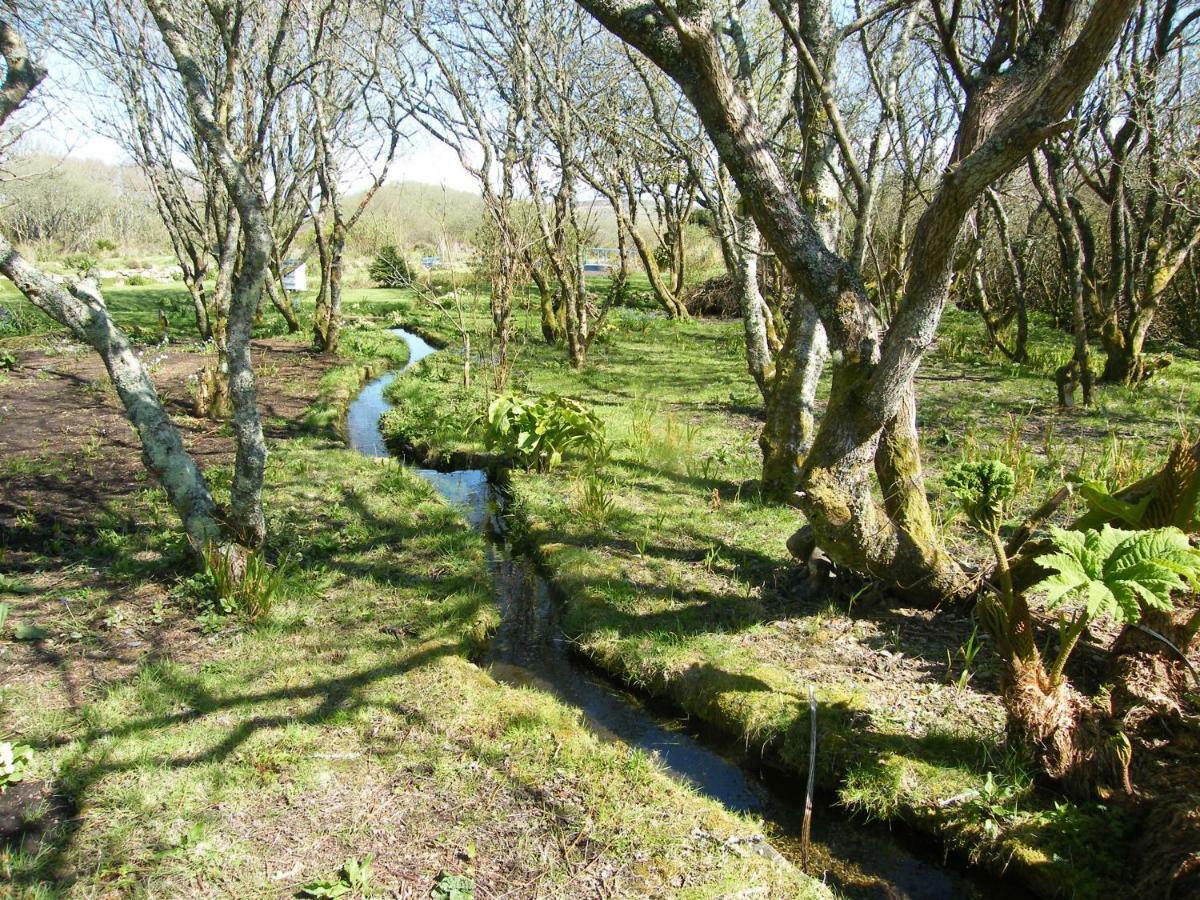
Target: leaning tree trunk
column 163, row 453
column 278, row 295
column 195, row 289
column 662, row 292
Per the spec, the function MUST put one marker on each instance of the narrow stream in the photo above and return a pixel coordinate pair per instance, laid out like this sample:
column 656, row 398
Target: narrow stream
column 529, row 649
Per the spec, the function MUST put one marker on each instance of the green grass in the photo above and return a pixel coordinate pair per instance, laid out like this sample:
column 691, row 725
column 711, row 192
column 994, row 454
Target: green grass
column 682, row 586
column 673, row 589
column 247, row 759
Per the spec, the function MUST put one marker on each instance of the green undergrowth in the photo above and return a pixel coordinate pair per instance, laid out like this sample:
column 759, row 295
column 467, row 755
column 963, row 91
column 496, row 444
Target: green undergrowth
column 675, row 579
column 372, row 351
column 348, row 724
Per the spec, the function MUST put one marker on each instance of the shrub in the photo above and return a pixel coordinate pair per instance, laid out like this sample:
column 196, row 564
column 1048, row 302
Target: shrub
column 104, row 245
column 536, row 433
column 8, row 360
column 82, row 264
column 390, row 269
column 136, row 280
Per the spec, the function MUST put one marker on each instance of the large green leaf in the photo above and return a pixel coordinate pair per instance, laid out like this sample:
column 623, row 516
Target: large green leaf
column 1116, row 572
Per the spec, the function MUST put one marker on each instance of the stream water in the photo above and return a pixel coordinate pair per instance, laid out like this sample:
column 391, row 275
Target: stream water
column 529, row 649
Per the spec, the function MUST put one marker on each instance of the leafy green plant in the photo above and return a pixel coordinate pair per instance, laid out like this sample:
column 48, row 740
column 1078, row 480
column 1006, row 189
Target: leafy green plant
column 14, row 761
column 136, row 280
column 242, row 584
column 1115, row 573
column 453, row 887
column 354, row 877
column 84, row 265
column 982, row 489
column 536, row 433
column 390, row 269
column 104, row 245
column 8, row 360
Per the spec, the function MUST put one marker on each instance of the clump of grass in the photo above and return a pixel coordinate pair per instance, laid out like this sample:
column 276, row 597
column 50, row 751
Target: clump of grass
column 243, row 584
column 596, row 504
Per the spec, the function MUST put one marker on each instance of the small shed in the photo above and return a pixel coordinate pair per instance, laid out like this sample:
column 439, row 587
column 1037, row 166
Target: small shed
column 295, row 275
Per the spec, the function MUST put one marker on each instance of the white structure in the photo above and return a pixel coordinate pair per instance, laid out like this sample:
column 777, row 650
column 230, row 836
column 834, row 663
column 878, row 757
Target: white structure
column 295, row 275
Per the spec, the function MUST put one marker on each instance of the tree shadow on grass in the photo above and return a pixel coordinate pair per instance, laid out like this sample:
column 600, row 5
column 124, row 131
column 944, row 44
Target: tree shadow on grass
column 335, row 698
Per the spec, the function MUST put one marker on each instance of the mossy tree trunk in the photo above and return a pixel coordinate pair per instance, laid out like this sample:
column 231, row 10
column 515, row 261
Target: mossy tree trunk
column 868, row 434
column 789, row 412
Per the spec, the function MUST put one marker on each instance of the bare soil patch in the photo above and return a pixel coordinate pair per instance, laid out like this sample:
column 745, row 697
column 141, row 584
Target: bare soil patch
column 66, row 446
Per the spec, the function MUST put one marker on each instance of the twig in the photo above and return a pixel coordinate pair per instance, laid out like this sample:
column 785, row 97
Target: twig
column 1174, row 649
column 806, row 828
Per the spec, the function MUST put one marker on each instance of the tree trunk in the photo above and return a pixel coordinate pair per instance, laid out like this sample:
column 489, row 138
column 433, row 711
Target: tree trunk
column 501, row 302
column 337, row 249
column 550, row 325
column 742, row 261
column 321, row 309
column 162, row 448
column 662, row 293
column 788, row 429
column 279, row 298
column 196, row 292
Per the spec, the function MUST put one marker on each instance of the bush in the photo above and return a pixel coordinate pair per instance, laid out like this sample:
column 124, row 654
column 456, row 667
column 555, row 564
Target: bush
column 104, row 245
column 136, row 280
column 82, row 264
column 8, row 360
column 536, row 433
column 390, row 269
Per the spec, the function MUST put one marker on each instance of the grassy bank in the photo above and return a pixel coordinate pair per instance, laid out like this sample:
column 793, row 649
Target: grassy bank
column 675, row 577
column 177, row 751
